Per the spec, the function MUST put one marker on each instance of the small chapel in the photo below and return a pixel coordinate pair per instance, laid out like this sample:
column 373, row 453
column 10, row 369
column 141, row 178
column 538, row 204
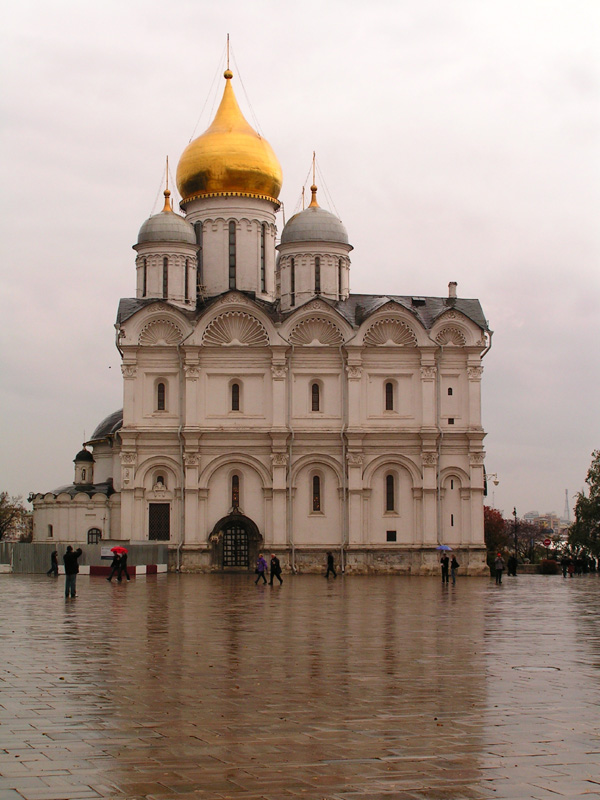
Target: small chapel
column 266, row 408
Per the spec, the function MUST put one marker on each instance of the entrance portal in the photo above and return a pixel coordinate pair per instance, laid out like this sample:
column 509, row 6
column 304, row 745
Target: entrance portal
column 236, row 543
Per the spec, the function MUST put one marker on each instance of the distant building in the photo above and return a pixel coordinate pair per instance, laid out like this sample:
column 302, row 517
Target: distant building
column 265, row 407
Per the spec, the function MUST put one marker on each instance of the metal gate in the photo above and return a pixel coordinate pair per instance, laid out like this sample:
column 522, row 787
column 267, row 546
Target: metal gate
column 159, row 515
column 235, row 546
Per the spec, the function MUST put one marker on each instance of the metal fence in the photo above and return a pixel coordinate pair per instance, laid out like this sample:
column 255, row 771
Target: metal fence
column 34, row 557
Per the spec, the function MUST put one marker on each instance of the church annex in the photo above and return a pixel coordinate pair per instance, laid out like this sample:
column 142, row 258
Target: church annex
column 265, row 407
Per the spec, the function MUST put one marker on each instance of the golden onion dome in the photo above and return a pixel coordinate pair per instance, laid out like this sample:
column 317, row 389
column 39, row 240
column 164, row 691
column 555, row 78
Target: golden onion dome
column 230, row 158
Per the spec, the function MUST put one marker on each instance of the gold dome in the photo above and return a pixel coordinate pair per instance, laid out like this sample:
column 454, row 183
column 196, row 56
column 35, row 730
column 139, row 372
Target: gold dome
column 230, row 158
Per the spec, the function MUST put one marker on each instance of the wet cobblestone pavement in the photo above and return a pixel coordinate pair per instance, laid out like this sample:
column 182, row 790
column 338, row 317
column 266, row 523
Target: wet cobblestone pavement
column 361, row 687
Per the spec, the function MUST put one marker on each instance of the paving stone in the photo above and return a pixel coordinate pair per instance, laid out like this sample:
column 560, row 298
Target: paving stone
column 383, row 687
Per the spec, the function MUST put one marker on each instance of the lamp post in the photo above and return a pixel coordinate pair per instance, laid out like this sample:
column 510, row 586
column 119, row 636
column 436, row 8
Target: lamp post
column 515, row 529
column 494, row 478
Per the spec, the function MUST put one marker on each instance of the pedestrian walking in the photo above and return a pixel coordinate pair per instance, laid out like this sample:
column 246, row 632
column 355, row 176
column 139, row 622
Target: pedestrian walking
column 71, row 570
column 499, row 567
column 454, row 565
column 122, row 567
column 330, row 566
column 114, row 566
column 445, row 562
column 53, row 564
column 571, row 568
column 275, row 570
column 511, row 566
column 564, row 562
column 261, row 568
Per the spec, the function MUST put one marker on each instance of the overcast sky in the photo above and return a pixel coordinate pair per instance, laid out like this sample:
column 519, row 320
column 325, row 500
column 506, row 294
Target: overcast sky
column 459, row 140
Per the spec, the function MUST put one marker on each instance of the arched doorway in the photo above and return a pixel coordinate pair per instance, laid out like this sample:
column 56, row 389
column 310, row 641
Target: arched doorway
column 236, row 542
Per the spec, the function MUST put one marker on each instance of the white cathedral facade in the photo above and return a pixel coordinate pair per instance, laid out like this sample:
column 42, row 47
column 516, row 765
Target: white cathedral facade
column 265, row 408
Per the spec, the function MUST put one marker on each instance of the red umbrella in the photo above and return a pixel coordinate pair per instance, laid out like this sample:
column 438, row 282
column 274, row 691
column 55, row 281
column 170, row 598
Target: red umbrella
column 118, row 549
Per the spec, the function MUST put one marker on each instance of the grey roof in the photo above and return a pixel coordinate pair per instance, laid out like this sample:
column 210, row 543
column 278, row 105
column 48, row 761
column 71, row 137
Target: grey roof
column 109, row 426
column 84, row 455
column 167, row 227
column 71, row 489
column 314, row 224
column 355, row 309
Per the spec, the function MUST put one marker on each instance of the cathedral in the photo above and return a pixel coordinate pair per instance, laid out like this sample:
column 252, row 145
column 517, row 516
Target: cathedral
column 268, row 409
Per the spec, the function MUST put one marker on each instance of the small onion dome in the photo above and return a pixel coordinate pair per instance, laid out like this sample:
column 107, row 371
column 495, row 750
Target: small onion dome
column 83, row 455
column 314, row 224
column 167, row 227
column 229, row 158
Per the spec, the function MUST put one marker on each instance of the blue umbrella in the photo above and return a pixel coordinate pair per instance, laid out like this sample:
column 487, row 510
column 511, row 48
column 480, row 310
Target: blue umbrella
column 443, row 547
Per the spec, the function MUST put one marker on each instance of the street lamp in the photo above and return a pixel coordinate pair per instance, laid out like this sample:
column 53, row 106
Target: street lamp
column 515, row 529
column 494, row 477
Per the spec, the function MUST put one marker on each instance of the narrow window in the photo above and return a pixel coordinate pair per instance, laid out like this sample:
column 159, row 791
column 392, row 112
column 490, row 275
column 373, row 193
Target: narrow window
column 315, row 397
column 452, row 484
column 199, row 269
column 317, row 275
column 263, row 282
column 144, row 278
column 165, row 278
column 232, row 255
column 390, row 536
column 235, row 491
column 160, row 397
column 50, row 531
column 389, row 396
column 316, row 493
column 186, row 278
column 450, row 390
column 293, row 284
column 82, row 474
column 452, row 520
column 390, row 503
column 340, row 279
column 450, row 420
column 235, row 397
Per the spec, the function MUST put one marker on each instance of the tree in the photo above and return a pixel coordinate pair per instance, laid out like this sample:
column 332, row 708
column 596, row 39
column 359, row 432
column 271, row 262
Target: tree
column 12, row 514
column 494, row 530
column 584, row 533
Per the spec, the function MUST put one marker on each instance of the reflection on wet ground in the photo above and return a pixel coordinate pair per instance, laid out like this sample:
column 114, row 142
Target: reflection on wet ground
column 206, row 686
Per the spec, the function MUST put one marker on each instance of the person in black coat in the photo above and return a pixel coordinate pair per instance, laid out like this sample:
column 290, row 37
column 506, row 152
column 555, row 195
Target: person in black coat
column 330, row 566
column 275, row 570
column 122, row 567
column 114, row 566
column 71, row 570
column 445, row 562
column 53, row 564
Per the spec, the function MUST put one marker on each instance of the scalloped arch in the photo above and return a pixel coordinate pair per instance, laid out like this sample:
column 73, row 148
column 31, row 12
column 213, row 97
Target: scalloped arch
column 235, row 328
column 160, row 332
column 389, row 332
column 452, row 336
column 316, row 331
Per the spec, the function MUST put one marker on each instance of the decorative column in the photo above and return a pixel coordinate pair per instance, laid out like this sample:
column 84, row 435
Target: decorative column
column 279, row 374
column 430, row 511
column 428, row 389
column 128, row 462
column 357, row 532
column 279, row 499
column 476, row 462
column 191, row 534
column 129, row 372
column 354, row 383
column 474, row 374
column 192, row 375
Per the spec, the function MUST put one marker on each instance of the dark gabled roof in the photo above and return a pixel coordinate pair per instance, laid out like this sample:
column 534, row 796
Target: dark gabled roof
column 90, row 489
column 355, row 309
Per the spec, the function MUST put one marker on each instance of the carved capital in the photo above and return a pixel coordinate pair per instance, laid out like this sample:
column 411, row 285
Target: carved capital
column 474, row 373
column 192, row 372
column 128, row 458
column 430, row 459
column 354, row 459
column 428, row 373
column 476, row 459
column 278, row 371
column 128, row 370
column 279, row 459
column 354, row 372
column 190, row 459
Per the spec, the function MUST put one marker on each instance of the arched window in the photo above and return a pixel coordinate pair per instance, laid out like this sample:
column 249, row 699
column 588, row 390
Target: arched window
column 160, row 397
column 316, row 493
column 340, row 279
column 235, row 491
column 186, row 279
column 232, row 255
column 315, row 397
column 161, row 479
column 144, row 278
column 94, row 535
column 317, row 275
column 389, row 396
column 450, row 392
column 82, row 474
column 165, row 278
column 263, row 279
column 235, row 397
column 293, row 283
column 390, row 492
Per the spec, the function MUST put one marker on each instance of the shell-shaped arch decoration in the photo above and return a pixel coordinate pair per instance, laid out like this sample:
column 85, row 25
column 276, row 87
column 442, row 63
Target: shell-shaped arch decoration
column 235, row 329
column 452, row 336
column 316, row 331
column 390, row 332
column 160, row 332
